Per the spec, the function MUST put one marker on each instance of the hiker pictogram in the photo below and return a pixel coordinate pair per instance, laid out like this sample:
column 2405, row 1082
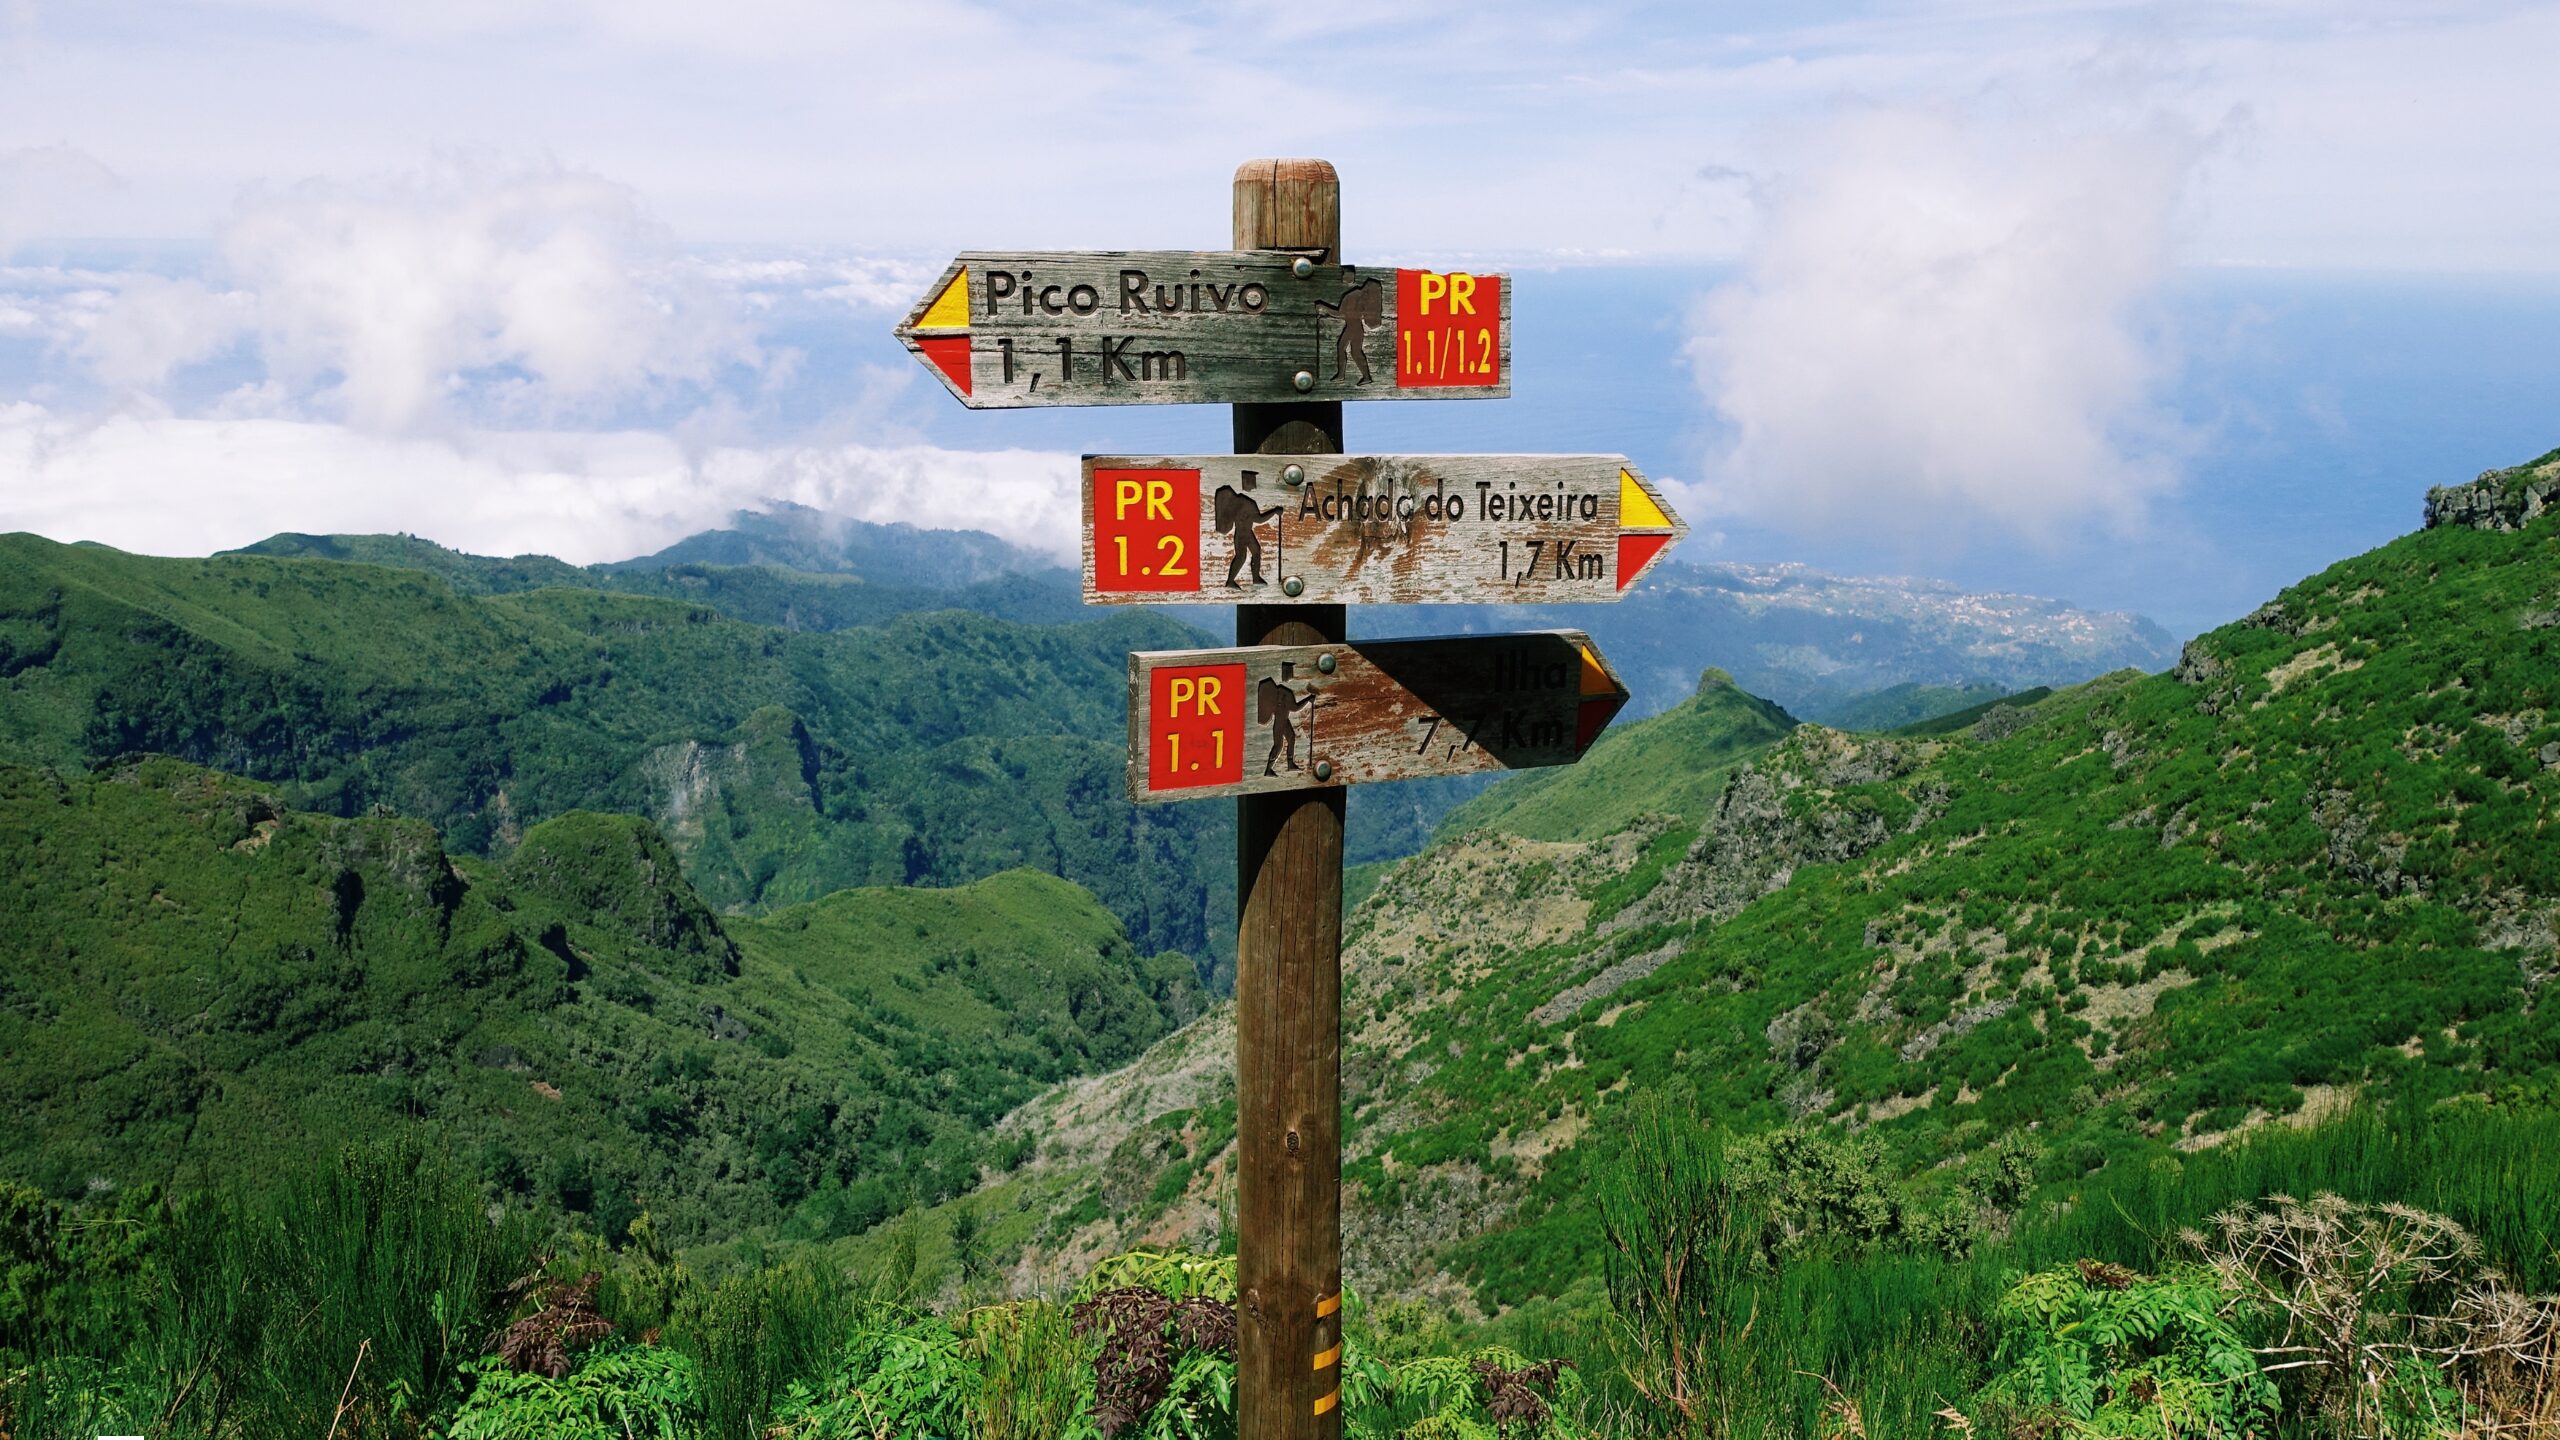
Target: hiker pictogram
column 1276, row 705
column 1361, row 306
column 1238, row 514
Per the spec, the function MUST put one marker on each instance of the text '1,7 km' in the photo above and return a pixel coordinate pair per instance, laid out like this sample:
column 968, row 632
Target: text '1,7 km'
column 1163, row 327
column 1368, row 529
column 1296, row 717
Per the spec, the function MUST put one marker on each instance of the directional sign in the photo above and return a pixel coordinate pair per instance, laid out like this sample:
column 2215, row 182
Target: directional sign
column 1368, row 529
column 1167, row 327
column 1295, row 717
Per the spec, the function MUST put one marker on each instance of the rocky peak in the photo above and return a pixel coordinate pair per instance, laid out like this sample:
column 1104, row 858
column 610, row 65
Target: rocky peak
column 2508, row 499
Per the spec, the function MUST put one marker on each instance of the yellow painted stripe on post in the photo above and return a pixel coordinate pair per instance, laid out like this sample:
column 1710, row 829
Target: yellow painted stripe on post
column 950, row 309
column 1328, row 1400
column 1328, row 1304
column 1327, row 1357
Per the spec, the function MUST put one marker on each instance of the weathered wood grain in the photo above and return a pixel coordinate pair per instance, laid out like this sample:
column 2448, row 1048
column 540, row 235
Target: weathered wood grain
column 1170, row 327
column 1368, row 529
column 1261, row 719
column 1289, row 950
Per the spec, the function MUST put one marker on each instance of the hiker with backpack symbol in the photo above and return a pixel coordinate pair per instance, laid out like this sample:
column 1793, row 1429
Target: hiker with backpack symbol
column 1237, row 514
column 1274, row 704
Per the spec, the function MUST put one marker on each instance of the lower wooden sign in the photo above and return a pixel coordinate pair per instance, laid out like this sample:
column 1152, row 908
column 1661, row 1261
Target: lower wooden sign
column 1205, row 723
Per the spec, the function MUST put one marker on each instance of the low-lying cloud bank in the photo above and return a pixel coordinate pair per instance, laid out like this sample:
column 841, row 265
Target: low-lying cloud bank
column 173, row 485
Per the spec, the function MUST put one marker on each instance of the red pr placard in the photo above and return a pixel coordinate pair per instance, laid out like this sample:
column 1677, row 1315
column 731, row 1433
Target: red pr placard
column 1195, row 726
column 1146, row 524
column 1448, row 329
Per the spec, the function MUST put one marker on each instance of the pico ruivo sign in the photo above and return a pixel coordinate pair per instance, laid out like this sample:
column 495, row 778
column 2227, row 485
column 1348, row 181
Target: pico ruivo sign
column 1368, row 529
column 1292, row 717
column 1162, row 327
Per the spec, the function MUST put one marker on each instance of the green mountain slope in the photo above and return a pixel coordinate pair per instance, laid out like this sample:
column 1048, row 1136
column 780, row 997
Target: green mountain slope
column 2315, row 864
column 1909, row 704
column 199, row 983
column 1671, row 764
column 932, row 749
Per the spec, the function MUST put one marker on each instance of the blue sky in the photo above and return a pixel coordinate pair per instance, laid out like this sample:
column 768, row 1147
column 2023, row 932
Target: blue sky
column 2039, row 295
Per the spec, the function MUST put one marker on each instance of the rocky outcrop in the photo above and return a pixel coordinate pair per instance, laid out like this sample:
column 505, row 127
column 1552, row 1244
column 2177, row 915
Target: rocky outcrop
column 1608, row 982
column 2360, row 847
column 2499, row 499
column 2198, row 665
column 1756, row 838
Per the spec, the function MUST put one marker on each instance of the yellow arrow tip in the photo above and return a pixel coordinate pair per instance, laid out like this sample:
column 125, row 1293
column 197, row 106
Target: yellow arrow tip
column 950, row 309
column 1636, row 509
column 1595, row 680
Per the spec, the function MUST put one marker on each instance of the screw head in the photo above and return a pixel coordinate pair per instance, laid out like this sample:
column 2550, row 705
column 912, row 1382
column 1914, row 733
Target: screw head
column 1302, row 267
column 1304, row 380
column 1293, row 474
column 1324, row 769
column 1293, row 586
column 1324, row 663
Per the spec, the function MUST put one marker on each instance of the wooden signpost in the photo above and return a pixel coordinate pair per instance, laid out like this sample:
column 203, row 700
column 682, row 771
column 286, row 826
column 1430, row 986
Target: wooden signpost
column 1294, row 717
column 1368, row 529
column 1162, row 327
column 1288, row 528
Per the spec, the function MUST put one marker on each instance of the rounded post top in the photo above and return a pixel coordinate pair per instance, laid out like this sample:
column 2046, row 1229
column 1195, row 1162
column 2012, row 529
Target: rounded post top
column 1264, row 172
column 1288, row 205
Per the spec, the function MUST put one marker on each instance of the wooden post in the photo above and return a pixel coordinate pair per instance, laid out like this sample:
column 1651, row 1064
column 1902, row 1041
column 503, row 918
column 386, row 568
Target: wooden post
column 1289, row 951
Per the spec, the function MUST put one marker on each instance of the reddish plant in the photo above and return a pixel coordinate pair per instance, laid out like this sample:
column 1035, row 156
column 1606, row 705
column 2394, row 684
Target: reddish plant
column 539, row 1344
column 1512, row 1395
column 1139, row 1327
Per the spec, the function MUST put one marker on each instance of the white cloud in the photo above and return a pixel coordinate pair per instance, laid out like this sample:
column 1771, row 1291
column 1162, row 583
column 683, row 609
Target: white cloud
column 1943, row 327
column 154, row 325
column 162, row 484
column 551, row 290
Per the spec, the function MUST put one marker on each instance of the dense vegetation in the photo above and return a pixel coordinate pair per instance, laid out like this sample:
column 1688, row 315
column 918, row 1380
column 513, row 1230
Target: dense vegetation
column 198, row 983
column 2316, row 862
column 1782, row 1286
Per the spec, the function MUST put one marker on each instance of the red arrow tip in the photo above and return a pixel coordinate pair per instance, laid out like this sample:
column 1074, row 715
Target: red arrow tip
column 1634, row 553
column 1593, row 717
column 950, row 355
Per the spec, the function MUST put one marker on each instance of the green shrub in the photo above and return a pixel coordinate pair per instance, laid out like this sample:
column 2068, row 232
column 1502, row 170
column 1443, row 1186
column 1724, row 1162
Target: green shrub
column 618, row 1392
column 2100, row 1351
column 899, row 1373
